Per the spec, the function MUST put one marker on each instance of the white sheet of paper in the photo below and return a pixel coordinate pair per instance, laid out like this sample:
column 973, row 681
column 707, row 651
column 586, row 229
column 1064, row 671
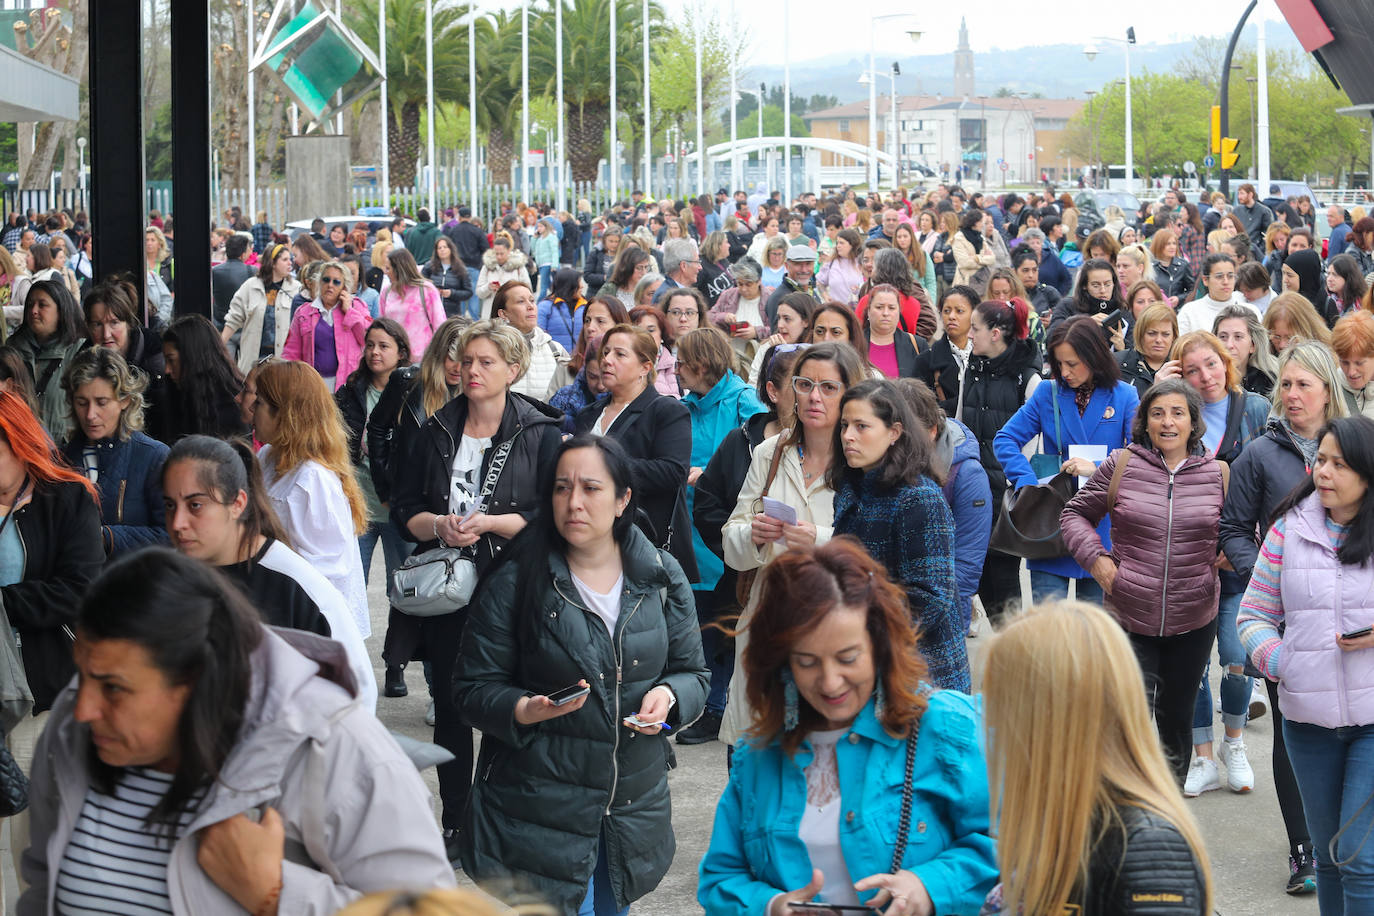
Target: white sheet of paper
column 779, row 510
column 1094, row 453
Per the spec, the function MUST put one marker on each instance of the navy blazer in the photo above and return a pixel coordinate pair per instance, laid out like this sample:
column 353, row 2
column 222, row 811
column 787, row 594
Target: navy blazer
column 130, row 485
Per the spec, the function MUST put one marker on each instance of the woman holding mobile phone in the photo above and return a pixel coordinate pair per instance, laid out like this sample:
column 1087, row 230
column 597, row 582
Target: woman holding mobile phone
column 860, row 786
column 570, row 800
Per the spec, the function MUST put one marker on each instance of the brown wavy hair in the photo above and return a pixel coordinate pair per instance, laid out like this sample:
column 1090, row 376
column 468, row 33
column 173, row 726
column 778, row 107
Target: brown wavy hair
column 799, row 589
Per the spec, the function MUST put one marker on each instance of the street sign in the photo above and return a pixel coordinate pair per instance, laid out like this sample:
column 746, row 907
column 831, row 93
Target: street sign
column 1001, row 161
column 1210, row 162
column 1189, row 168
column 1003, row 166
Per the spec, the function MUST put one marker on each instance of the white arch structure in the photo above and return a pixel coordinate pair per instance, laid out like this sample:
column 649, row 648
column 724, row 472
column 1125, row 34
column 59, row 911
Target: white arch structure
column 859, row 152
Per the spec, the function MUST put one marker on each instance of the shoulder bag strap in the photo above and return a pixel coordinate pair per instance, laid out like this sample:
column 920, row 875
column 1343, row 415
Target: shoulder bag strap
column 498, row 462
column 1225, row 478
column 1123, row 457
column 904, row 819
column 772, row 469
column 1058, row 435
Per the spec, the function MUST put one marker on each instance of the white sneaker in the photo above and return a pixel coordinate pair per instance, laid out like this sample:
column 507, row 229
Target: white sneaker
column 1259, row 700
column 429, row 714
column 1203, row 776
column 1239, row 775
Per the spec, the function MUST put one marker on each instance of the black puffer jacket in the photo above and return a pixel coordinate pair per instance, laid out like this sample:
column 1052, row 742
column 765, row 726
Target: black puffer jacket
column 392, row 427
column 1155, row 874
column 994, row 389
column 598, row 270
column 425, row 485
column 1267, row 471
column 1135, row 370
column 939, row 370
column 454, row 286
column 543, row 794
column 945, row 269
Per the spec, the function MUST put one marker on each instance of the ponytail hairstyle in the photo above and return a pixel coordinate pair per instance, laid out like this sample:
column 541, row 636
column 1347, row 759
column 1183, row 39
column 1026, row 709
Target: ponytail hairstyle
column 1011, row 318
column 223, row 469
column 199, row 631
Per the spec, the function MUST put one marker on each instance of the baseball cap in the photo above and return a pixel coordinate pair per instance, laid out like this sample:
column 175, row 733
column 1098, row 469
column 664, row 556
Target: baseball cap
column 800, row 253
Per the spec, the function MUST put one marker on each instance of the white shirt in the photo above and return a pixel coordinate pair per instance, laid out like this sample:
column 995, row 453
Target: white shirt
column 607, row 606
column 465, row 485
column 1201, row 314
column 820, row 823
column 310, row 501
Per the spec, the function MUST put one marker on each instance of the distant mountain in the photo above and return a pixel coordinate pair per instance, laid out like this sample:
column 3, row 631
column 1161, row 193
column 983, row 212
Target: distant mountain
column 1055, row 71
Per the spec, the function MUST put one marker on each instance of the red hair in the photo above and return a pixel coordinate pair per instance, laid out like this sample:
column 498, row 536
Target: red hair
column 31, row 445
column 799, row 589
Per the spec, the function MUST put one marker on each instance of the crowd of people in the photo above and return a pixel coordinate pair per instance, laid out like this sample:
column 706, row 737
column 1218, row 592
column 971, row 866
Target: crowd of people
column 730, row 469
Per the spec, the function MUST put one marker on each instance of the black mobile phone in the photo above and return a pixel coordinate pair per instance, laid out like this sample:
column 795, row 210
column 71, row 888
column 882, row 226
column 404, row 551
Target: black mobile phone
column 568, row 694
column 814, row 907
column 1356, row 634
column 1113, row 319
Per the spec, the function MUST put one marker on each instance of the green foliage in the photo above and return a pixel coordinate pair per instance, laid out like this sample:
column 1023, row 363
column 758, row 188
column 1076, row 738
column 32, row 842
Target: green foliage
column 9, row 147
column 772, row 124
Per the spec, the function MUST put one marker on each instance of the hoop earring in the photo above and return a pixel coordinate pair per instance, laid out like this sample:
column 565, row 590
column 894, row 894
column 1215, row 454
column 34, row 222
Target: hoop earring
column 791, row 712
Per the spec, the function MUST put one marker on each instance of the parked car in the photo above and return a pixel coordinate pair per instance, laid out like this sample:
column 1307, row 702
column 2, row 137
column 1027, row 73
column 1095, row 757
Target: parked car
column 1091, row 202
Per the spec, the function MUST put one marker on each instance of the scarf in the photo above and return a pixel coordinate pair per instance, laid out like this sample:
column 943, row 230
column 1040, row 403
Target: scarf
column 975, row 239
column 1081, row 396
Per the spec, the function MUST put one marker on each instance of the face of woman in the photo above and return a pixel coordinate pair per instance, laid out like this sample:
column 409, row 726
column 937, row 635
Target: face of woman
column 1358, row 370
column 843, row 249
column 107, row 330
column 611, row 243
column 485, row 373
column 1281, row 336
column 956, row 313
column 1143, row 300
column 682, row 315
column 926, row 223
column 1156, row 341
column 1169, row 424
column 650, row 324
column 281, row 267
column 770, row 228
column 749, row 289
column 1128, row 272
column 903, row 239
column 1290, row 279
column 1235, row 336
column 265, row 425
column 621, row 368
column 829, row 327
column 1170, row 250
column 1072, row 370
column 97, row 410
column 1281, row 241
column 1100, row 284
column 150, row 246
column 817, row 409
column 131, row 708
column 864, row 437
column 674, row 230
column 380, row 352
column 985, row 341
column 40, row 314
column 833, row 667
column 883, row 314
column 443, row 250
column 502, row 253
column 1203, row 369
column 1128, row 236
column 1335, row 283
column 598, row 320
column 776, row 256
column 331, row 285
column 999, row 288
column 585, row 506
column 789, row 324
column 199, row 523
column 521, row 309
column 647, row 296
column 171, row 359
column 1339, row 486
column 1304, row 397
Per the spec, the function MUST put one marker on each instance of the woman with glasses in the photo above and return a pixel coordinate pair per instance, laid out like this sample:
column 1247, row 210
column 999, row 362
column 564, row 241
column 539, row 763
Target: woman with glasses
column 685, row 309
column 328, row 334
column 260, row 311
column 790, row 468
column 631, row 266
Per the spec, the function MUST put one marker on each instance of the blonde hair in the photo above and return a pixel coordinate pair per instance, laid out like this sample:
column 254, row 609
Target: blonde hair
column 442, row 346
column 444, row 902
column 1140, row 255
column 1315, row 357
column 309, row 427
column 1302, row 319
column 509, row 342
column 1063, row 675
column 161, row 242
column 1159, row 313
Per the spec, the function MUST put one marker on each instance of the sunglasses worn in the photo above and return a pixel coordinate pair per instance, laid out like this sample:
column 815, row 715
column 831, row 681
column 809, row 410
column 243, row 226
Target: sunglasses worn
column 332, row 280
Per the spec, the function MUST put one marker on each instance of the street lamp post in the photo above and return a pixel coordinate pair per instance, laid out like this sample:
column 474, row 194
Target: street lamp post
column 734, row 97
column 558, row 68
column 1092, row 135
column 611, row 158
column 1091, row 52
column 81, row 169
column 525, row 101
column 701, row 146
column 914, row 35
column 648, row 132
column 1253, row 145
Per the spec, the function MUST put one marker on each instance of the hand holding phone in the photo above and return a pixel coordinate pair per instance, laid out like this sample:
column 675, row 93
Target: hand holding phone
column 535, row 709
column 1356, row 634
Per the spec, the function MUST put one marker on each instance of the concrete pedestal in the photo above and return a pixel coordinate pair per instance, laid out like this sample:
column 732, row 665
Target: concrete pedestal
column 318, row 176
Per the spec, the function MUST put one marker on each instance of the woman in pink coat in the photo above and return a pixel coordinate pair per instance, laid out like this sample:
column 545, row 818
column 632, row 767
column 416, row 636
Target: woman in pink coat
column 410, row 300
column 328, row 333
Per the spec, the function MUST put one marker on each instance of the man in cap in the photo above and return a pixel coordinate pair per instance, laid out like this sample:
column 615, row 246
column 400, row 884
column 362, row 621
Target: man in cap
column 800, row 278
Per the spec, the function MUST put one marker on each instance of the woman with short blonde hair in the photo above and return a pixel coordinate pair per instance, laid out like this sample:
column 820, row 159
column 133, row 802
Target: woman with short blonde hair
column 1290, row 318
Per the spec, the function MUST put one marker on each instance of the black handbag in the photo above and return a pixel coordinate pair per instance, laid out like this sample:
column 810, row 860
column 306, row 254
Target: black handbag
column 14, row 785
column 1028, row 524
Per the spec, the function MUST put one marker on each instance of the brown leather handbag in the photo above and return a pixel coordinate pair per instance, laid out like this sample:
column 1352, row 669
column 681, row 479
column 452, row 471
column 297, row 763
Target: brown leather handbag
column 1028, row 525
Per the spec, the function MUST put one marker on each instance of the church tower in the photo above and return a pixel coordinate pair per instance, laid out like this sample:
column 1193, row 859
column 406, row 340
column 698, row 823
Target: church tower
column 963, row 64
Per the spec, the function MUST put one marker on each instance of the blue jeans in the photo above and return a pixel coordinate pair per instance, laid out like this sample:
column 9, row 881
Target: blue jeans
column 1235, row 688
column 474, row 305
column 395, row 548
column 1335, row 772
column 1047, row 586
column 545, row 273
column 600, row 900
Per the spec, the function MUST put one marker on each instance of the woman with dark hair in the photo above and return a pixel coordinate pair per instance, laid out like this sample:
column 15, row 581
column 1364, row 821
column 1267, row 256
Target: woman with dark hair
column 203, row 384
column 601, row 259
column 407, row 298
column 1163, row 494
column 1096, row 294
column 586, row 384
column 450, row 277
column 15, row 377
column 652, row 319
column 835, row 322
column 198, row 737
column 1346, row 286
column 892, row 350
column 561, row 314
column 260, row 311
column 630, row 267
column 967, row 250
column 654, row 430
column 218, row 511
column 1086, row 404
column 385, row 349
column 1304, row 623
column 106, row 400
column 890, row 268
column 942, row 367
column 470, row 481
column 600, row 609
column 1003, row 370
column 880, row 467
column 112, row 321
column 1360, row 244
column 793, row 318
column 845, row 714
column 52, row 333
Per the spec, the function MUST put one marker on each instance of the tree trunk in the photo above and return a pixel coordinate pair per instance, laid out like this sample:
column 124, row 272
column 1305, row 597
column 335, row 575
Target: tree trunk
column 270, row 158
column 404, row 141
column 587, row 139
column 500, row 157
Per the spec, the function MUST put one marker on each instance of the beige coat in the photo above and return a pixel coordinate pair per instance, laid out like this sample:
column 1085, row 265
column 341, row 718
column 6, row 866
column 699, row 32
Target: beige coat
column 499, row 274
column 245, row 315
column 968, row 262
column 814, row 504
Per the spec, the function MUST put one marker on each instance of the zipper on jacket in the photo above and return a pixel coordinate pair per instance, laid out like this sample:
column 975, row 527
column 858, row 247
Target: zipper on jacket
column 619, row 649
column 119, row 506
column 1168, row 547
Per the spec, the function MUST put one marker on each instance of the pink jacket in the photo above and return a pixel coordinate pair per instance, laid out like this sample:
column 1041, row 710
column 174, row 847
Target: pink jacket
column 727, row 304
column 665, row 377
column 350, row 329
column 419, row 311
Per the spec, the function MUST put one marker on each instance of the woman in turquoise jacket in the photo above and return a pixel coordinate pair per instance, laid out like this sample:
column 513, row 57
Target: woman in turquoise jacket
column 719, row 401
column 859, row 785
column 1086, row 404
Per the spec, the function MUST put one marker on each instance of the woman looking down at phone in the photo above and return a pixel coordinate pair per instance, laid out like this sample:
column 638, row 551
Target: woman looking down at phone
column 571, row 800
column 815, row 815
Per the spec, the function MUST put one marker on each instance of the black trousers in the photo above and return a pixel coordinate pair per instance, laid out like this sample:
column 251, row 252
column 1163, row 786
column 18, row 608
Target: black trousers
column 1173, row 667
column 1000, row 586
column 1285, row 783
column 441, row 636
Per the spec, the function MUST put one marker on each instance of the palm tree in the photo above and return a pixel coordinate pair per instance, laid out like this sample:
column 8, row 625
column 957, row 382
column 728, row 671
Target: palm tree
column 405, row 65
column 587, row 51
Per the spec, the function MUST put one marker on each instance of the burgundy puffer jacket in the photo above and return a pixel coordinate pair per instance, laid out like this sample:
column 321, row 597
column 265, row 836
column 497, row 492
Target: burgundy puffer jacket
column 1164, row 539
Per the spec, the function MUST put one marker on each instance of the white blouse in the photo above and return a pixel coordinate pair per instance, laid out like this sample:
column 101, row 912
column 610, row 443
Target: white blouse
column 310, row 501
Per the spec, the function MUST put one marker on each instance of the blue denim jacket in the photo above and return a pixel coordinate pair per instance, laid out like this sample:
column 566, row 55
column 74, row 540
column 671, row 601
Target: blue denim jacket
column 756, row 851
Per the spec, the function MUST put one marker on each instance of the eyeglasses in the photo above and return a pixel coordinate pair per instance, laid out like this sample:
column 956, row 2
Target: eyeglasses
column 334, row 280
column 1102, row 286
column 1222, row 277
column 681, row 313
column 804, row 386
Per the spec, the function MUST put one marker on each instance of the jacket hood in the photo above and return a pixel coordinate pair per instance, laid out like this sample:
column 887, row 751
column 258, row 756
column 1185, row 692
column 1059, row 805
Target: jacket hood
column 533, row 412
column 1278, row 431
column 755, row 429
column 956, row 444
column 515, row 262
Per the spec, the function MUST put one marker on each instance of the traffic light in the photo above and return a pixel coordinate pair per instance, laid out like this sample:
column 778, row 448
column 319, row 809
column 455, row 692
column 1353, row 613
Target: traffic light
column 1216, row 128
column 1228, row 152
